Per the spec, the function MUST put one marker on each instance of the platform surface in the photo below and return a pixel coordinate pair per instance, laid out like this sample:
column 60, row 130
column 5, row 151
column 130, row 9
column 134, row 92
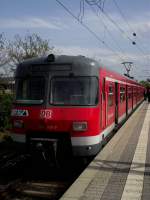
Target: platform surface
column 121, row 171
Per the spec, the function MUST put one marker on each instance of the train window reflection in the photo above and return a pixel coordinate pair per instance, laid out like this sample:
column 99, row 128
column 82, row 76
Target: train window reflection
column 110, row 96
column 31, row 89
column 74, row 91
column 122, row 94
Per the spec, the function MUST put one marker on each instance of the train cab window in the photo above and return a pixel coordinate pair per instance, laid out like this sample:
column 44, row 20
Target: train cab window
column 110, row 96
column 30, row 90
column 122, row 94
column 74, row 91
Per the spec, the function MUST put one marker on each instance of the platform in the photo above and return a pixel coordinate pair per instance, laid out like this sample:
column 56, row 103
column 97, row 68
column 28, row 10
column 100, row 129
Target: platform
column 121, row 171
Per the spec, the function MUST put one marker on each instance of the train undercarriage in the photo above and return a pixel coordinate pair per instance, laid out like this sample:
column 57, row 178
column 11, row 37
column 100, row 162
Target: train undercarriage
column 54, row 150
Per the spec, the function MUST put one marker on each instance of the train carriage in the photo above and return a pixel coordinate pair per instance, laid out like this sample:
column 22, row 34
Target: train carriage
column 70, row 103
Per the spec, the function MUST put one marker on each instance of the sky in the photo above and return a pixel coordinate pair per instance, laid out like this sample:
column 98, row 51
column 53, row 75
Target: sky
column 110, row 24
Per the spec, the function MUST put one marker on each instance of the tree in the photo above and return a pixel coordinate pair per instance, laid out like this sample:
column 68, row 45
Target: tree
column 3, row 50
column 145, row 83
column 28, row 47
column 12, row 53
column 5, row 109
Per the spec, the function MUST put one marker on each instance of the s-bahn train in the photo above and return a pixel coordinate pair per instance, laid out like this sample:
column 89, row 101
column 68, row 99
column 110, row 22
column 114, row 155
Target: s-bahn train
column 70, row 103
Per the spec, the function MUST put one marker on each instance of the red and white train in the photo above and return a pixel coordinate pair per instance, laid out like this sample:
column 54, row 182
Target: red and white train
column 70, row 101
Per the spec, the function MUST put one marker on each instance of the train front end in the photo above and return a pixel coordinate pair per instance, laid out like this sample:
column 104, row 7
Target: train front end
column 57, row 104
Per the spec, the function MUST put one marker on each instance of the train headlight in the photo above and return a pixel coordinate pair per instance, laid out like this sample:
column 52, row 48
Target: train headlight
column 80, row 126
column 18, row 124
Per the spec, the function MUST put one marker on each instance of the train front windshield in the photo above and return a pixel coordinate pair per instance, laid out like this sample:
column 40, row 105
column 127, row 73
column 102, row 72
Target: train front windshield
column 74, row 91
column 30, row 90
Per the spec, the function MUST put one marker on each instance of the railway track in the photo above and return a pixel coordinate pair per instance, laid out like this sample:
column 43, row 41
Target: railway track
column 21, row 178
column 30, row 190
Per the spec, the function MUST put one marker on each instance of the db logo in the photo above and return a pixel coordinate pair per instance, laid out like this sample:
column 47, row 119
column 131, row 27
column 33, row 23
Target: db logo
column 46, row 114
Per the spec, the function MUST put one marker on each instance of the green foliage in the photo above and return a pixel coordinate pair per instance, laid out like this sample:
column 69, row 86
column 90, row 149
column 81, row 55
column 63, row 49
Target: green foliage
column 5, row 110
column 145, row 83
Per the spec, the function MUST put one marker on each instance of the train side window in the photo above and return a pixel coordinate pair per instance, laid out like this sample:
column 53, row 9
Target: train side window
column 122, row 94
column 129, row 93
column 110, row 96
column 103, row 89
column 134, row 93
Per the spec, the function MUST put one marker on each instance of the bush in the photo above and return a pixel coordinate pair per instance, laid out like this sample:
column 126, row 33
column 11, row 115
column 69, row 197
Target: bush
column 5, row 110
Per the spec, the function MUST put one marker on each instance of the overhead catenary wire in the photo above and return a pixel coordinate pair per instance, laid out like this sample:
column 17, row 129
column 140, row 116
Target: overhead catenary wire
column 117, row 26
column 130, row 28
column 92, row 2
column 81, row 13
column 105, row 26
column 88, row 29
column 111, row 20
column 125, row 19
column 108, row 31
column 99, row 2
column 123, row 16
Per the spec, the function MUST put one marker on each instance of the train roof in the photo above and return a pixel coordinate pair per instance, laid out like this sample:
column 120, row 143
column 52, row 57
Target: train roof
column 80, row 64
column 67, row 59
column 61, row 59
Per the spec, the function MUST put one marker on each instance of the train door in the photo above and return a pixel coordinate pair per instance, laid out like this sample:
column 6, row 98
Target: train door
column 116, row 103
column 122, row 103
column 130, row 101
column 103, row 105
column 110, row 113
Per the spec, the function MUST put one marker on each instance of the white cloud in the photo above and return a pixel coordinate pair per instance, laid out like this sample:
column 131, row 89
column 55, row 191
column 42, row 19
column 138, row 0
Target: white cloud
column 107, row 58
column 104, row 56
column 73, row 34
column 142, row 27
column 31, row 22
column 100, row 22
